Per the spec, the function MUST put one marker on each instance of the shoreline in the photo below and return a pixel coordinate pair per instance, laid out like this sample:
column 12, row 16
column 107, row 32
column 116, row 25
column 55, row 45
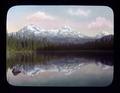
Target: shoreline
column 60, row 52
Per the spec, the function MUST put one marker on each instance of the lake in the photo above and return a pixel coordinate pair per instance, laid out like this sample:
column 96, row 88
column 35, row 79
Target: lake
column 60, row 69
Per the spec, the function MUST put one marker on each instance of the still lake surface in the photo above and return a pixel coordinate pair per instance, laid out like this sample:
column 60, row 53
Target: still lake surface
column 60, row 69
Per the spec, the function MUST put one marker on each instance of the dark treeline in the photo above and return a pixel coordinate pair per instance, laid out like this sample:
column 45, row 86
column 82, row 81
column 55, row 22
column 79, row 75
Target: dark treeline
column 13, row 43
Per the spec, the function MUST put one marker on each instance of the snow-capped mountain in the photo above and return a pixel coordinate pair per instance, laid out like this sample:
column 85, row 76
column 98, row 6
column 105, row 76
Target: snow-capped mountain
column 102, row 34
column 29, row 31
column 65, row 31
column 107, row 38
column 64, row 34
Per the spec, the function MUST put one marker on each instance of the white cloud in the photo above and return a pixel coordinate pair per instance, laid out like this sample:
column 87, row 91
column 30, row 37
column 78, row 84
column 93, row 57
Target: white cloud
column 79, row 12
column 100, row 22
column 40, row 16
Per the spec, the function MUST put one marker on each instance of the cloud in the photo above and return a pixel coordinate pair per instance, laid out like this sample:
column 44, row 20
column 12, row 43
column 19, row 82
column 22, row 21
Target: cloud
column 100, row 22
column 40, row 16
column 79, row 12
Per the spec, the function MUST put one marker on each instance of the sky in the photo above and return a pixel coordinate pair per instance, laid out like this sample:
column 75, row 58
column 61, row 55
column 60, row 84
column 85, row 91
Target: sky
column 89, row 20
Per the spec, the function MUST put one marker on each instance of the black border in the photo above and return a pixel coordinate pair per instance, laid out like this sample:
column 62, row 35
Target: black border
column 8, row 88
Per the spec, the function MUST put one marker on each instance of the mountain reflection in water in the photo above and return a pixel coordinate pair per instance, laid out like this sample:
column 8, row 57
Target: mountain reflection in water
column 44, row 65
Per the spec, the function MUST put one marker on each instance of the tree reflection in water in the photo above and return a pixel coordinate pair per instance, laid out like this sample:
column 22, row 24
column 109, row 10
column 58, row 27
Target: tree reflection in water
column 35, row 63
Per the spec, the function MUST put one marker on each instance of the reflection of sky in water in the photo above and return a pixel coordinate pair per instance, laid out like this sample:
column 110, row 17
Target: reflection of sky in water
column 62, row 72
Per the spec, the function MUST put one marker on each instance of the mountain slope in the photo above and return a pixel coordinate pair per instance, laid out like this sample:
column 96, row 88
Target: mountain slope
column 31, row 37
column 102, row 34
column 62, row 35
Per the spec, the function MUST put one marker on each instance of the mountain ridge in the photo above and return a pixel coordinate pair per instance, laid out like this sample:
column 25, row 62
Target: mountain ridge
column 61, row 35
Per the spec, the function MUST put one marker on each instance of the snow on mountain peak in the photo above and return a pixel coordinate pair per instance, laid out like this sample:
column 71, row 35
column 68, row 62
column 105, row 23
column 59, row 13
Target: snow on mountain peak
column 104, row 33
column 32, row 27
column 101, row 34
column 66, row 28
column 65, row 32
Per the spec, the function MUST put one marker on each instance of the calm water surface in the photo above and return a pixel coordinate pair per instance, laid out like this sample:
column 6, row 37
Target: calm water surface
column 60, row 69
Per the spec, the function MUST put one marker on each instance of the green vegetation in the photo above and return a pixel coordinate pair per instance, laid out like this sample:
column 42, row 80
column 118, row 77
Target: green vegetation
column 28, row 45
